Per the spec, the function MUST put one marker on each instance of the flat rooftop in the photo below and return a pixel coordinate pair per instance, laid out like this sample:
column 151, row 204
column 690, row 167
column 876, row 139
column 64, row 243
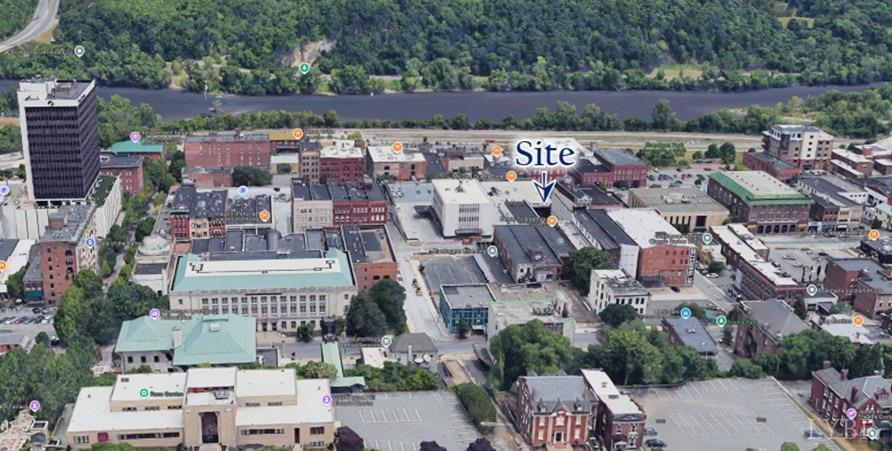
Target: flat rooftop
column 363, row 245
column 340, row 148
column 53, row 89
column 644, row 225
column 410, row 192
column 384, row 154
column 620, row 157
column 526, row 243
column 229, row 137
column 76, row 219
column 607, row 393
column 778, row 164
column 467, row 296
column 692, row 333
column 504, row 191
column 335, row 191
column 192, row 273
column 600, row 227
column 620, row 282
column 452, row 271
column 678, row 200
column 453, row 191
column 756, row 187
column 113, row 161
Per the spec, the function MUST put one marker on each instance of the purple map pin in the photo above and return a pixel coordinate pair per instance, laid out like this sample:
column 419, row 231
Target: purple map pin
column 154, row 313
column 326, row 399
column 135, row 137
column 851, row 413
column 34, row 405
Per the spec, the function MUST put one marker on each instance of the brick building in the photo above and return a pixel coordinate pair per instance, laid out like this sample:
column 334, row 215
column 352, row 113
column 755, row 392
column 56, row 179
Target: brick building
column 600, row 231
column 314, row 205
column 198, row 215
column 665, row 257
column 205, row 178
column 779, row 169
column 531, row 252
column 854, row 161
column 620, row 420
column 763, row 203
column 833, row 394
column 755, row 276
column 555, row 410
column 382, row 161
column 611, row 167
column 227, row 151
column 802, row 145
column 341, row 162
column 66, row 250
column 863, row 281
column 369, row 251
column 688, row 209
column 126, row 168
column 762, row 326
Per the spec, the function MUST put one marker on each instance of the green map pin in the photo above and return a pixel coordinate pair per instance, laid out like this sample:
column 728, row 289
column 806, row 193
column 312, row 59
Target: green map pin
column 144, row 393
column 721, row 320
column 304, row 68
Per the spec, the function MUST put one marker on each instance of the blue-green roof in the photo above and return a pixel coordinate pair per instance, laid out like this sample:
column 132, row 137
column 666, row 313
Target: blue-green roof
column 331, row 355
column 212, row 339
column 251, row 275
column 132, row 147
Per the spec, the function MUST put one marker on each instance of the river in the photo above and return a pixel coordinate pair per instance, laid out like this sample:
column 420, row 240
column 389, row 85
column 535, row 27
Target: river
column 174, row 104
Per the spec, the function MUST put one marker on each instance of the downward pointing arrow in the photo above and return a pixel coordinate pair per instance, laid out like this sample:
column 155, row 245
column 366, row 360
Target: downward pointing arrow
column 543, row 186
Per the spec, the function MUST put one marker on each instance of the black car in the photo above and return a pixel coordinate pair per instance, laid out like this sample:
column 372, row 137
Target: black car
column 655, row 443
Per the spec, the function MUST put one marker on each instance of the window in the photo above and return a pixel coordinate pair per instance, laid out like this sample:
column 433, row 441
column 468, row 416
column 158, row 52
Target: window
column 129, row 359
column 142, row 359
column 81, row 439
column 157, row 359
column 317, row 430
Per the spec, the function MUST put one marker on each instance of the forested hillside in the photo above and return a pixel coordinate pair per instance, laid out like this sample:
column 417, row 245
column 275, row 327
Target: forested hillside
column 240, row 45
column 16, row 14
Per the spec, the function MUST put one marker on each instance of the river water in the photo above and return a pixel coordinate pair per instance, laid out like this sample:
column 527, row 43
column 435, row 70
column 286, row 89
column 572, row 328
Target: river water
column 174, row 104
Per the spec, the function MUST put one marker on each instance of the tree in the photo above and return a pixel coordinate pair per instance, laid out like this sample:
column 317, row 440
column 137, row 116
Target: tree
column 117, row 237
column 144, row 228
column 727, row 153
column 663, row 118
column 390, row 297
column 364, row 318
column 481, row 444
column 314, row 369
column 463, row 328
column 351, row 79
column 712, row 151
column 727, row 336
column 745, row 368
column 250, row 176
column 716, row 267
column 348, row 440
column 799, row 308
column 521, row 348
column 789, row 446
column 696, row 310
column 477, row 403
column 283, row 168
column 616, row 314
column 42, row 338
column 14, row 284
column 305, row 333
column 876, row 224
column 580, row 263
column 697, row 155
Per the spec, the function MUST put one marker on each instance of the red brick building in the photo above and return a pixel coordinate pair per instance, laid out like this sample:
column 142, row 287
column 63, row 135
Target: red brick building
column 665, row 256
column 763, row 325
column 779, row 169
column 315, row 205
column 126, row 168
column 833, row 394
column 612, row 167
column 342, row 162
column 227, row 151
column 371, row 255
column 620, row 420
column 69, row 245
column 382, row 161
column 198, row 215
column 555, row 410
column 209, row 177
column 863, row 281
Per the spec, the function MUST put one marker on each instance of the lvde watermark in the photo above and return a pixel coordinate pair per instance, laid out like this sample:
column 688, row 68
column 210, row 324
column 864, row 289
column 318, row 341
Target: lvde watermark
column 849, row 429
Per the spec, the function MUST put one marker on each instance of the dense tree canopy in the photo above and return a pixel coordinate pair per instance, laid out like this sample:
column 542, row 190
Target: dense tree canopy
column 579, row 265
column 518, row 44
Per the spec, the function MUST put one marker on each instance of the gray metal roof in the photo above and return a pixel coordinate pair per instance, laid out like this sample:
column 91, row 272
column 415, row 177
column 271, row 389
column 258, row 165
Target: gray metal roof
column 419, row 341
column 467, row 296
column 618, row 156
column 76, row 219
column 865, row 387
column 548, row 393
column 605, row 231
column 775, row 316
column 692, row 333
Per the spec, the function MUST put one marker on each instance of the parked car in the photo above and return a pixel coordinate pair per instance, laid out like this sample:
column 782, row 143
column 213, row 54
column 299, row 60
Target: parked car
column 655, row 443
column 650, row 431
column 813, row 434
column 712, row 275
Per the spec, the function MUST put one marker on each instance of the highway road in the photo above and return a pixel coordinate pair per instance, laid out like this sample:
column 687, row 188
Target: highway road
column 44, row 19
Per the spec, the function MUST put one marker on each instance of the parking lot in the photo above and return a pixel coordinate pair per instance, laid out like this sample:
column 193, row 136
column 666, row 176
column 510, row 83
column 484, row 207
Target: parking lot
column 726, row 414
column 401, row 421
column 23, row 320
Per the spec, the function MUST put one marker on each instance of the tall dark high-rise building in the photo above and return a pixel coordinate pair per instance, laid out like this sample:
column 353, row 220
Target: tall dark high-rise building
column 60, row 139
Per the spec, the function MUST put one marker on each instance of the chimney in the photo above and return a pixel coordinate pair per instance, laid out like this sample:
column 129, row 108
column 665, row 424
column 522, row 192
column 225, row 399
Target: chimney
column 826, row 364
column 867, row 151
column 409, row 357
column 854, row 395
column 844, row 374
column 177, row 334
